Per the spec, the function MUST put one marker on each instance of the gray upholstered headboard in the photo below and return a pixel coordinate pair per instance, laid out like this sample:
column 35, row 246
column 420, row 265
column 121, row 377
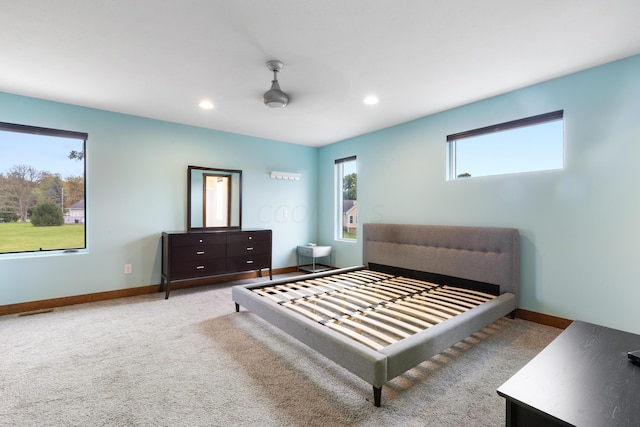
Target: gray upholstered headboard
column 484, row 254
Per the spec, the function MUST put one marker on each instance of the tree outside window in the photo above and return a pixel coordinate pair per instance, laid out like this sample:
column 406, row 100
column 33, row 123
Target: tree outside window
column 42, row 189
column 347, row 203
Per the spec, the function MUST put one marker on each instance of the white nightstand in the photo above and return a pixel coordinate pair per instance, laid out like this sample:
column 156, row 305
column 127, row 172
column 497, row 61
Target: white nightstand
column 314, row 252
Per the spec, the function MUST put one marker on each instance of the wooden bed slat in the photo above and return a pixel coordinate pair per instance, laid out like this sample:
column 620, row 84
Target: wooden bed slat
column 351, row 279
column 404, row 317
column 304, row 311
column 365, row 317
column 353, row 299
column 358, row 337
column 325, row 283
column 448, row 298
column 373, row 308
column 336, row 281
column 272, row 296
column 407, row 289
column 334, row 300
column 404, row 308
column 443, row 303
column 307, row 308
column 370, row 297
column 380, row 314
column 312, row 308
column 317, row 290
column 383, row 294
column 384, row 286
column 291, row 290
column 427, row 307
column 359, row 326
column 443, row 306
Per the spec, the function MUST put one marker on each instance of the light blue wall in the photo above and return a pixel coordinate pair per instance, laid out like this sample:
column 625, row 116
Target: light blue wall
column 137, row 178
column 580, row 227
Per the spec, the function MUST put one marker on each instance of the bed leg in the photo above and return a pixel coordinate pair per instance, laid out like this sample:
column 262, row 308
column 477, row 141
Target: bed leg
column 377, row 395
column 512, row 315
column 237, row 307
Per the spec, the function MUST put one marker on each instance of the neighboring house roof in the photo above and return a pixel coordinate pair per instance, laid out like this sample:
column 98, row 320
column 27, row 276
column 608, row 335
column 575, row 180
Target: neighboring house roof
column 77, row 205
column 347, row 205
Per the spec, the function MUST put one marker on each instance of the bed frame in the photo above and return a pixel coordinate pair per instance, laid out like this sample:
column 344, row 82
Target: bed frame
column 422, row 260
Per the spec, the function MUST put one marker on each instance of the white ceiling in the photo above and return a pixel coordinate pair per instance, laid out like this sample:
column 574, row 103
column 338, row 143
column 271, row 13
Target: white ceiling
column 158, row 59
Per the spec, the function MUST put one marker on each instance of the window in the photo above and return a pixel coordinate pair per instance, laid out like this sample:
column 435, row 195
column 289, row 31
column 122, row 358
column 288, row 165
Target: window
column 526, row 145
column 42, row 189
column 346, row 198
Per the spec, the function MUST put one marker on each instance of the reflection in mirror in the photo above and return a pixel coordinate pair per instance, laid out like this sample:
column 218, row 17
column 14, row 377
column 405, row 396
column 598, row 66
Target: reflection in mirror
column 214, row 198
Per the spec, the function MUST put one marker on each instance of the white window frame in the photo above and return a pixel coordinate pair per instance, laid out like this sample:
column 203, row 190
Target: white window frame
column 339, row 202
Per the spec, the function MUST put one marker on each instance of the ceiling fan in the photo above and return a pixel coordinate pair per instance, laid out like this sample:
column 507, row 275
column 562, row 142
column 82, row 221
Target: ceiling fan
column 275, row 97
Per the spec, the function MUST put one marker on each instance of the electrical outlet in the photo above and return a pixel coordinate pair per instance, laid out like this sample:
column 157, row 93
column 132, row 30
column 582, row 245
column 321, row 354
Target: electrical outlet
column 127, row 269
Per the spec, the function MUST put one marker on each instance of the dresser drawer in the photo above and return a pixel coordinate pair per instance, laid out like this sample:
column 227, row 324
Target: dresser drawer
column 196, row 239
column 251, row 248
column 191, row 269
column 249, row 237
column 247, row 243
column 200, row 252
column 244, row 263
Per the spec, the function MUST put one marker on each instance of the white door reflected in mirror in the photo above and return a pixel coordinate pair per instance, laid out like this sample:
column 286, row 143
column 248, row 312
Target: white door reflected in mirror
column 217, row 193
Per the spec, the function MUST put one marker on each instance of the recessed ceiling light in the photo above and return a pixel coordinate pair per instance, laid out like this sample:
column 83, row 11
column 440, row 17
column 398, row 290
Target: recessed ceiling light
column 206, row 105
column 370, row 100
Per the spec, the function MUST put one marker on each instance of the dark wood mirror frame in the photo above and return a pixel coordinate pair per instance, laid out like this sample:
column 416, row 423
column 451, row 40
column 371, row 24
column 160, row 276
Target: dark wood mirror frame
column 197, row 198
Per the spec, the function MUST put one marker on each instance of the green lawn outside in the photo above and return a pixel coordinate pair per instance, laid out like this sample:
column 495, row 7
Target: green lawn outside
column 23, row 237
column 347, row 235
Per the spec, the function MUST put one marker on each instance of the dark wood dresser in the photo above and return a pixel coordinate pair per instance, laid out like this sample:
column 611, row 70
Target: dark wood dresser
column 199, row 254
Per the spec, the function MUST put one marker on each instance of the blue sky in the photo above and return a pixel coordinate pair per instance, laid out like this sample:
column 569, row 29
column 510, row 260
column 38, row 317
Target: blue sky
column 349, row 167
column 532, row 148
column 44, row 153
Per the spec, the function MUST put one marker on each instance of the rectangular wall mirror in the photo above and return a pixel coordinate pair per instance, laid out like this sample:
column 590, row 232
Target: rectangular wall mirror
column 214, row 198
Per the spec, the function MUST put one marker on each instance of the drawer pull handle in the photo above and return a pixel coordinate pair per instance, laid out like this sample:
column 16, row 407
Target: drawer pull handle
column 200, row 267
column 200, row 240
column 249, row 248
column 199, row 252
column 249, row 262
column 250, row 237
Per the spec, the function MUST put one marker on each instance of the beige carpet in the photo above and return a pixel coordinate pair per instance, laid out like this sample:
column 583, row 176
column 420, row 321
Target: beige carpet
column 192, row 361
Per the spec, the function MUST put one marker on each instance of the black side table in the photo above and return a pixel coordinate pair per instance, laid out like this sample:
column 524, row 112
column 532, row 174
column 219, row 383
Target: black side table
column 583, row 378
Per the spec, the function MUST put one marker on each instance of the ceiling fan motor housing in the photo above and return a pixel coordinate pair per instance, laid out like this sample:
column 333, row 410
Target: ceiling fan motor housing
column 275, row 97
